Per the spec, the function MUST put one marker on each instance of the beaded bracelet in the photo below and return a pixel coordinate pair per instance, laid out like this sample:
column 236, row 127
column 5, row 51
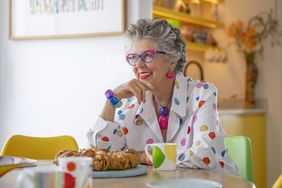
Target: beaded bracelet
column 112, row 99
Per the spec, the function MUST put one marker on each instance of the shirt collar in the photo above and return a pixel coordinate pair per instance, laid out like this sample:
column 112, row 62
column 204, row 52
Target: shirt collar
column 179, row 97
column 147, row 112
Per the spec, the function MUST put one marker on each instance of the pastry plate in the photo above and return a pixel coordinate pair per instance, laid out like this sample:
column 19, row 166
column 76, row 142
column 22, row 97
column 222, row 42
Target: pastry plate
column 183, row 183
column 8, row 163
column 139, row 170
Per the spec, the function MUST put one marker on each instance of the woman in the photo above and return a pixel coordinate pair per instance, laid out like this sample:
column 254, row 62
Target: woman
column 161, row 105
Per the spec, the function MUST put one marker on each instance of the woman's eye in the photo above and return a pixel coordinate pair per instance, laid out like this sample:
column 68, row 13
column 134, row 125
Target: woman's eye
column 147, row 57
column 133, row 57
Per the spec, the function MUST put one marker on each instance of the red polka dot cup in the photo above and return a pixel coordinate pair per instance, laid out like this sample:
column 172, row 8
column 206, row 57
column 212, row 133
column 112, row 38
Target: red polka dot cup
column 80, row 168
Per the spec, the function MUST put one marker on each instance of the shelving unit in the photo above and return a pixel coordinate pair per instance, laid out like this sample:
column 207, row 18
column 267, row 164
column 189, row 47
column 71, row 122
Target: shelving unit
column 162, row 12
column 213, row 1
column 200, row 47
column 185, row 18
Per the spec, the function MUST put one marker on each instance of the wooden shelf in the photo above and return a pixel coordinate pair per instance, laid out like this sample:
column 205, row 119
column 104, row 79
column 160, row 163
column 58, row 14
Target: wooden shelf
column 200, row 47
column 207, row 1
column 185, row 18
column 213, row 1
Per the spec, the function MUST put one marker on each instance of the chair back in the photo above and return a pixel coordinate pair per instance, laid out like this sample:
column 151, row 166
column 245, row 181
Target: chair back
column 240, row 150
column 278, row 182
column 42, row 148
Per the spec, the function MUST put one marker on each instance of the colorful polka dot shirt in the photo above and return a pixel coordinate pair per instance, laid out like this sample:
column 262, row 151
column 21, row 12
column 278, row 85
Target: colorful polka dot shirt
column 193, row 125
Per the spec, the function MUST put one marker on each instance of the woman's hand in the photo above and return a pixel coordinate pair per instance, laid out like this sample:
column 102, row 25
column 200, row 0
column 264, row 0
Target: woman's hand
column 133, row 88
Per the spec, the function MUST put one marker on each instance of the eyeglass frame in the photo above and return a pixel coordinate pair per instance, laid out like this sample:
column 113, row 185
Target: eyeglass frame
column 140, row 56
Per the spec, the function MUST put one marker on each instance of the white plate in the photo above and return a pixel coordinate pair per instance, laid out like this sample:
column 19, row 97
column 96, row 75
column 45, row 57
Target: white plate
column 8, row 163
column 184, row 183
column 139, row 170
column 11, row 160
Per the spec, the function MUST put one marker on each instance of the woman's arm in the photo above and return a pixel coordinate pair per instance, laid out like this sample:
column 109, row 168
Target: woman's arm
column 208, row 150
column 101, row 134
column 108, row 113
column 132, row 88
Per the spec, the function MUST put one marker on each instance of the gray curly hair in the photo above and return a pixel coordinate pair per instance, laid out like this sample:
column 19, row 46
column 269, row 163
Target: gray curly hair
column 169, row 39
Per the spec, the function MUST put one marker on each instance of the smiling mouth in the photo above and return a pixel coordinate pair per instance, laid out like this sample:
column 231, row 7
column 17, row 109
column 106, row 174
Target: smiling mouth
column 144, row 75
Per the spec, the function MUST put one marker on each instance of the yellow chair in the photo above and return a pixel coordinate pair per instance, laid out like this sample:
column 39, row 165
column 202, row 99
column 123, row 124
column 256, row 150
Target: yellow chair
column 278, row 182
column 41, row 148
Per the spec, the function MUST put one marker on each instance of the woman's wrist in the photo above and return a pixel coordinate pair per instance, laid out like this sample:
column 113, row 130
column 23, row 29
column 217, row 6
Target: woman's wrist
column 113, row 99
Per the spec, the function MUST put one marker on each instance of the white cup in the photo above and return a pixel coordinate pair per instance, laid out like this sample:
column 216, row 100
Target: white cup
column 80, row 168
column 42, row 177
column 162, row 155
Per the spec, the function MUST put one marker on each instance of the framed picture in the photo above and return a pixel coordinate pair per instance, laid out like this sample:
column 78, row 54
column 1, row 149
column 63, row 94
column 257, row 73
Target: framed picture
column 48, row 19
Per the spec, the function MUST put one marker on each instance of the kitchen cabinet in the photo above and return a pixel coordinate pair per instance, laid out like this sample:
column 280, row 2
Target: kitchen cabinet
column 250, row 123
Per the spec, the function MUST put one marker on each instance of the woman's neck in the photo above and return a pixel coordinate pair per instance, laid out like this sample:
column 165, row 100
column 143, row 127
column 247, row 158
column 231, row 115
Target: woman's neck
column 163, row 92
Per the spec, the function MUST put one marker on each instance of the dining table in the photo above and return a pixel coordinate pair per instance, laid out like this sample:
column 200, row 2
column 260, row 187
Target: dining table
column 9, row 180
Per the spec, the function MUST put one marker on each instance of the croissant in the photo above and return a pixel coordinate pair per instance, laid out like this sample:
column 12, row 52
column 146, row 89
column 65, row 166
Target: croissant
column 65, row 153
column 134, row 159
column 88, row 153
column 119, row 160
column 103, row 159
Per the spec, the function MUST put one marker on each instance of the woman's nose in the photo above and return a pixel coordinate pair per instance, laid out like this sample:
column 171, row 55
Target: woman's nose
column 140, row 63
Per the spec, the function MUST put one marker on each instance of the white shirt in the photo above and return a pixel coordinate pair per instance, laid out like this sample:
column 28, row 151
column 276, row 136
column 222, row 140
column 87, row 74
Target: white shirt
column 193, row 125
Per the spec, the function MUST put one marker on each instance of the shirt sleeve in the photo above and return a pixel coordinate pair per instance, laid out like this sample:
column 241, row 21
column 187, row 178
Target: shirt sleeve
column 107, row 134
column 208, row 150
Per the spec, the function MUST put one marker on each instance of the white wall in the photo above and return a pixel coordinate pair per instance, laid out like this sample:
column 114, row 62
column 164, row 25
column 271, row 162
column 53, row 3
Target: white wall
column 53, row 87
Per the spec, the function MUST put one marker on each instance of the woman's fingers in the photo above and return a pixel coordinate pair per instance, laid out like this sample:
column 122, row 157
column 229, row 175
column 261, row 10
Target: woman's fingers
column 136, row 91
column 143, row 88
column 133, row 88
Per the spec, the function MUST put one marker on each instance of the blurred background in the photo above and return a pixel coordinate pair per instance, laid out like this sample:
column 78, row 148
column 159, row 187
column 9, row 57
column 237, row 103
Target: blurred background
column 56, row 86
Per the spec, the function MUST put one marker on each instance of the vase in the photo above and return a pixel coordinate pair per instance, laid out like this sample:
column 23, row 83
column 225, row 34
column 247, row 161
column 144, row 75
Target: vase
column 251, row 80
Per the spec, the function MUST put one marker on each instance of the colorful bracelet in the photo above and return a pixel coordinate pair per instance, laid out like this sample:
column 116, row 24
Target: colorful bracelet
column 112, row 99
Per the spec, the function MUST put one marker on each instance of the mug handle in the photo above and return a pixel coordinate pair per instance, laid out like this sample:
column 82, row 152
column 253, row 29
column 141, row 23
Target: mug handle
column 149, row 147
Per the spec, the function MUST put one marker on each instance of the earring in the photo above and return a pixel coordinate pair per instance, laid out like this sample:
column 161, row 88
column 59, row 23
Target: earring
column 170, row 75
